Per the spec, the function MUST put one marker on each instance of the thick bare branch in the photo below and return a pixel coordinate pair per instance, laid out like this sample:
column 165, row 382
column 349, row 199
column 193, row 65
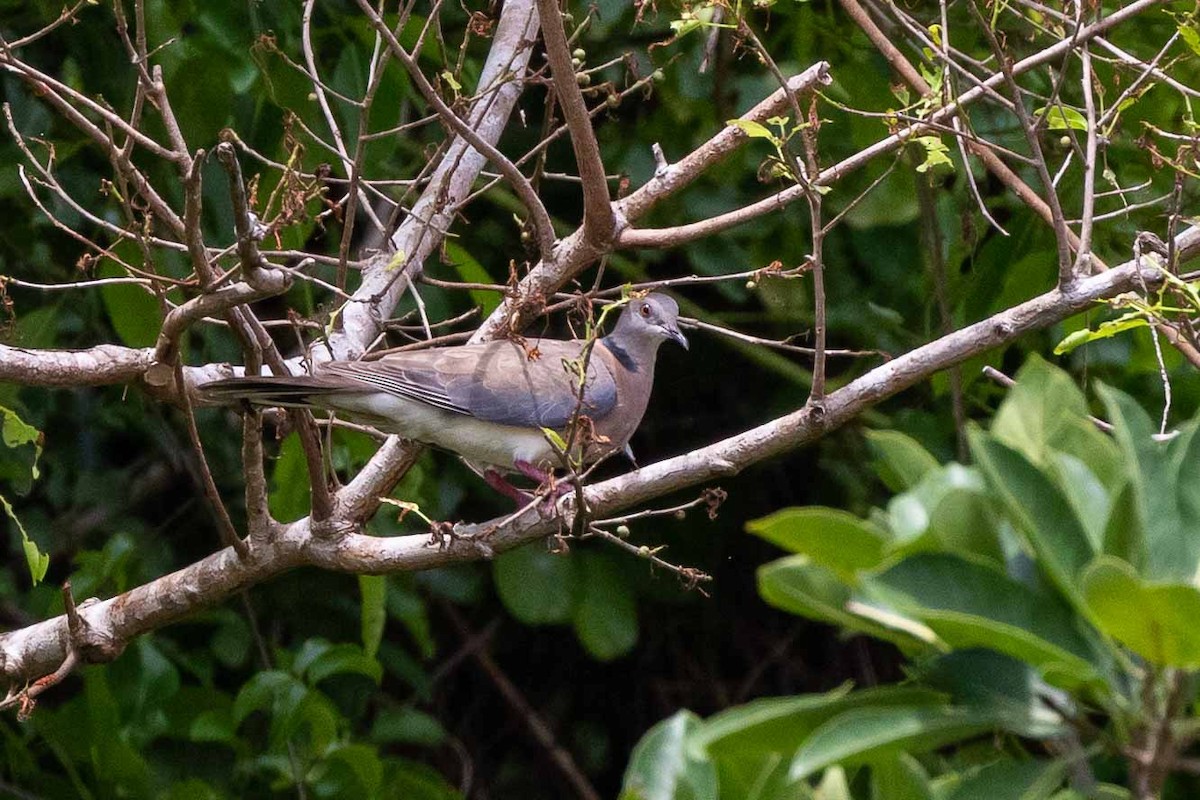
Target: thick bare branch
column 599, row 223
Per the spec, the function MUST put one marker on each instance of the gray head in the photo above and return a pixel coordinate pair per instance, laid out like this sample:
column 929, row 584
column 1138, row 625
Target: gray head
column 651, row 319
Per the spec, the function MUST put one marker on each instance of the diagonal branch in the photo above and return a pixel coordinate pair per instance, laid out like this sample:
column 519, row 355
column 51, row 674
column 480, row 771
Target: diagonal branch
column 39, row 649
column 599, row 223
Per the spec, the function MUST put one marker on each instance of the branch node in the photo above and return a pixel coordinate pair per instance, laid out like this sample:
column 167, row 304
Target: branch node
column 661, row 165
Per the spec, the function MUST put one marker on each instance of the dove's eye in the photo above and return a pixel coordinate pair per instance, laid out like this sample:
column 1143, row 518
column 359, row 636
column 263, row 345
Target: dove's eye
column 645, row 310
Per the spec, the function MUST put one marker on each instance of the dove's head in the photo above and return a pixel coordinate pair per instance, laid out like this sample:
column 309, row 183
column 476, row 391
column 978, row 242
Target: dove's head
column 653, row 318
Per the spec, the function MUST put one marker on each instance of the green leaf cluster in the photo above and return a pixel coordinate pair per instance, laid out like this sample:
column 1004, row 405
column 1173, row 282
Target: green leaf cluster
column 1057, row 578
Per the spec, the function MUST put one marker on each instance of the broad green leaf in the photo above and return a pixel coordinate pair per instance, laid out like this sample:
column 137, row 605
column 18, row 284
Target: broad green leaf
column 1089, row 497
column 865, row 734
column 800, row 587
column 829, row 537
column 661, row 767
column 1039, row 509
column 290, row 488
column 1123, row 536
column 536, row 586
column 1043, row 402
column 373, row 590
column 900, row 778
column 948, row 510
column 412, row 780
column 971, row 604
column 1031, row 779
column 605, row 617
column 1045, row 412
column 783, row 724
column 405, row 603
column 1157, row 621
column 231, row 641
column 1165, row 478
column 901, row 461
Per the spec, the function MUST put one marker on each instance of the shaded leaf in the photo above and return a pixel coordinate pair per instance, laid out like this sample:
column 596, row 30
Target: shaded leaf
column 971, row 604
column 901, row 461
column 605, row 617
column 536, row 586
column 1039, row 509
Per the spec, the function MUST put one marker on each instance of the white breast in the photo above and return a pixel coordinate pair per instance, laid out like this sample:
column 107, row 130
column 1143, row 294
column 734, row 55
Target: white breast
column 476, row 440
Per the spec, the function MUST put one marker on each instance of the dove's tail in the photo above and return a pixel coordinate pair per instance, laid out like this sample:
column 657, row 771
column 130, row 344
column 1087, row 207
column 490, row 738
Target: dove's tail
column 296, row 391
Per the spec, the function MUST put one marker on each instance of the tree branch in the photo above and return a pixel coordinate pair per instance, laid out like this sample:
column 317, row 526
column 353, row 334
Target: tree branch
column 40, row 649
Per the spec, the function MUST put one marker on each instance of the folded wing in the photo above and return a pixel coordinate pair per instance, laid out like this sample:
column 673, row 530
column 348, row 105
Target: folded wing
column 496, row 382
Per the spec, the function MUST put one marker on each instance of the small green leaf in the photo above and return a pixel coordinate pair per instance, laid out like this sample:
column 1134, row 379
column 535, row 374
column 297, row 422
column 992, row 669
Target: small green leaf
column 1190, row 36
column 471, row 271
column 373, row 589
column 289, row 500
column 17, row 433
column 273, row 691
column 407, row 726
column 935, row 153
column 559, row 443
column 319, row 660
column 1105, row 330
column 755, row 130
column 37, row 561
column 1061, row 118
column 831, row 538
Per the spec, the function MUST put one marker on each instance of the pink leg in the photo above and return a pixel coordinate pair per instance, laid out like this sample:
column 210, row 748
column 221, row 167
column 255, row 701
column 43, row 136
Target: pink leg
column 543, row 477
column 532, row 472
column 496, row 481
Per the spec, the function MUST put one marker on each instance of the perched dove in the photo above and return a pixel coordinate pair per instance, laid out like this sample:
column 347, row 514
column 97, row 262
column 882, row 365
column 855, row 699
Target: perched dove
column 490, row 402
